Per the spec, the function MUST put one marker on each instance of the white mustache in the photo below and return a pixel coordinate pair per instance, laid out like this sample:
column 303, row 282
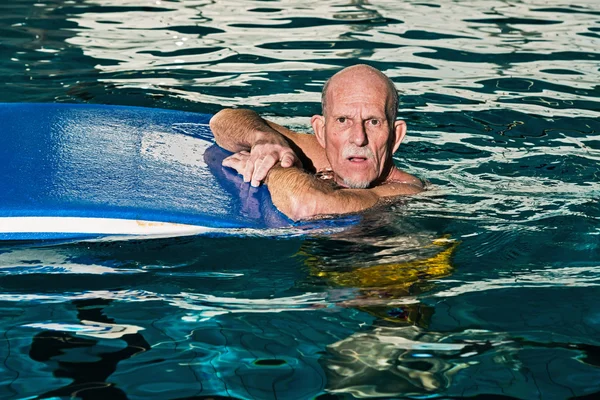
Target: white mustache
column 353, row 151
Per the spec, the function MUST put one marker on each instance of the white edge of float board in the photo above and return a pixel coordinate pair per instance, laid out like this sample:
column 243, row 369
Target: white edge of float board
column 131, row 229
column 97, row 226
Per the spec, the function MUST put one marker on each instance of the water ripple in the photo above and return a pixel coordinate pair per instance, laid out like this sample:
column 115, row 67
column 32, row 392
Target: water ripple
column 552, row 277
column 186, row 50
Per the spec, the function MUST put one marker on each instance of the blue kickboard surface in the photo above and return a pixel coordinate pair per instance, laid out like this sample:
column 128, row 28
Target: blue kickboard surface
column 124, row 163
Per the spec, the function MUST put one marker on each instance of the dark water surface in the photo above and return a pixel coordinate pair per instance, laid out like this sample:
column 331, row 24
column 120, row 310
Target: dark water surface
column 487, row 284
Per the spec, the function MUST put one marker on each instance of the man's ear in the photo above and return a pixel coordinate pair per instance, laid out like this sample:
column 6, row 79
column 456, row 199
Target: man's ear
column 318, row 124
column 399, row 133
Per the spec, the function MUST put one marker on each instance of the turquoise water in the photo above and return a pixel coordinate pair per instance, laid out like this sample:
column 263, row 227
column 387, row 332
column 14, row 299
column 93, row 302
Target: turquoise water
column 488, row 284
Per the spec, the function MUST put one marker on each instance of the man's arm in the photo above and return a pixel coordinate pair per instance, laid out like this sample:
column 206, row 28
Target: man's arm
column 238, row 130
column 301, row 196
column 268, row 143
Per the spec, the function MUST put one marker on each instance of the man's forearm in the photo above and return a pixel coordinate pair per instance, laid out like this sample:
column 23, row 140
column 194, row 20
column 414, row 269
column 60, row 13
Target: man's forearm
column 238, row 130
column 300, row 195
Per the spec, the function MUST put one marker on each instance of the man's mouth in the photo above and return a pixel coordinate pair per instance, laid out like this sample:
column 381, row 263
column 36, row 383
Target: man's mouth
column 357, row 155
column 357, row 159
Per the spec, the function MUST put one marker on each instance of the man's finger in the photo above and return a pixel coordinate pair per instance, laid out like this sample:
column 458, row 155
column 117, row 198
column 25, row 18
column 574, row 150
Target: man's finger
column 236, row 161
column 248, row 170
column 230, row 161
column 287, row 160
column 261, row 171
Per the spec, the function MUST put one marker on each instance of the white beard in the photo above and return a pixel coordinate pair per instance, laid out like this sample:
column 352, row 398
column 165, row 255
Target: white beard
column 360, row 152
column 356, row 184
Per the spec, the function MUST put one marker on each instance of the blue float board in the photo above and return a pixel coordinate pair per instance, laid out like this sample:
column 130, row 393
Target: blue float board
column 106, row 165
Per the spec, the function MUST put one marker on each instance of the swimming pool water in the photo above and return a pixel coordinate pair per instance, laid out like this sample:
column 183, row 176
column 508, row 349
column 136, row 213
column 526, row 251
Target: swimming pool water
column 486, row 285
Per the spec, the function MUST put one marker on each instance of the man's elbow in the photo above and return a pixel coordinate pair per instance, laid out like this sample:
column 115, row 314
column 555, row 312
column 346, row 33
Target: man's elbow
column 216, row 124
column 304, row 212
column 297, row 210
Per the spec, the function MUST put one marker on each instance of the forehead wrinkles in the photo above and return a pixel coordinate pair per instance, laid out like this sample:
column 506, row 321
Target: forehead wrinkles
column 358, row 105
column 348, row 95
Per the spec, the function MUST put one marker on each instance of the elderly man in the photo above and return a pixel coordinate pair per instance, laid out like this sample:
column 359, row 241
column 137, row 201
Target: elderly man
column 346, row 166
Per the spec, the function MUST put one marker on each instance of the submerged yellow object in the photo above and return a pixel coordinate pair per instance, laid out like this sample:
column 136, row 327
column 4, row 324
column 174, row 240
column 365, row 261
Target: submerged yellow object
column 380, row 284
column 395, row 274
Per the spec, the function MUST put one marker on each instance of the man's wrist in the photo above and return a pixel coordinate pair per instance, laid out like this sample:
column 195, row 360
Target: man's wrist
column 267, row 136
column 273, row 171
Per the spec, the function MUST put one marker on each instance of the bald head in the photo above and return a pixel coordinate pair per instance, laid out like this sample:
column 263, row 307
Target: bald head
column 362, row 73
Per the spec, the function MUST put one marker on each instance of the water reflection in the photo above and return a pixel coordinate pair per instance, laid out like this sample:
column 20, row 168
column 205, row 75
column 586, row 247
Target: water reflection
column 388, row 273
column 403, row 361
column 226, row 318
column 67, row 358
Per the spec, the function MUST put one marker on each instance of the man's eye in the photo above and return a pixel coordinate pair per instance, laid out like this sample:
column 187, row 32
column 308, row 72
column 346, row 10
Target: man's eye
column 341, row 120
column 375, row 122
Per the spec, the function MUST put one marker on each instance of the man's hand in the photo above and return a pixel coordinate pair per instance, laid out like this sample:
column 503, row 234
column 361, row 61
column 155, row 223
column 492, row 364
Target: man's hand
column 256, row 164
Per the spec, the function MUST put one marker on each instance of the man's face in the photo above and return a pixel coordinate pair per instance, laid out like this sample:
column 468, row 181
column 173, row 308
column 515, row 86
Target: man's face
column 357, row 142
column 357, row 136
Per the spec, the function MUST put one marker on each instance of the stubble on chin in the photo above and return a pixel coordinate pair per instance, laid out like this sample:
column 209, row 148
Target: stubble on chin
column 356, row 184
column 366, row 152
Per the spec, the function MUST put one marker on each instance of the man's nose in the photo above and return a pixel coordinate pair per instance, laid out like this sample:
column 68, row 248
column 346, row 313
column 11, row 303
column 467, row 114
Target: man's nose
column 359, row 135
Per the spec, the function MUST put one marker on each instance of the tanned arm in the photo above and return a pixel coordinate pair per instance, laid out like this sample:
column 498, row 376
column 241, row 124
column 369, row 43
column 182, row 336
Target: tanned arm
column 301, row 196
column 268, row 143
column 238, row 130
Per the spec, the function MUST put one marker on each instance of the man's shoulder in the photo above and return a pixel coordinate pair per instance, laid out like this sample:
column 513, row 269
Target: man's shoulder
column 399, row 183
column 399, row 176
column 392, row 189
